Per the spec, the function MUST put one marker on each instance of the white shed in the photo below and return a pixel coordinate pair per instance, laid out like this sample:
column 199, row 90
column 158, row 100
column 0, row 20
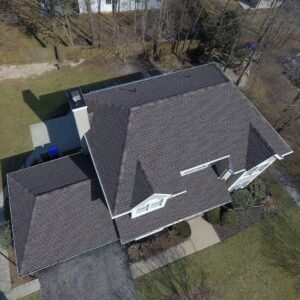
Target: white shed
column 260, row 3
column 123, row 5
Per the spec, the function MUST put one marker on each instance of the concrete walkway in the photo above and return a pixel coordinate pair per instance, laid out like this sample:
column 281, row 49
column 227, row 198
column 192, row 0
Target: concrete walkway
column 203, row 236
column 60, row 132
column 5, row 283
column 23, row 290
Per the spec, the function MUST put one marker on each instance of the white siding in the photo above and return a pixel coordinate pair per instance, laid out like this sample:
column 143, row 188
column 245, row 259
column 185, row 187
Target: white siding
column 123, row 5
column 263, row 4
column 154, row 202
column 250, row 175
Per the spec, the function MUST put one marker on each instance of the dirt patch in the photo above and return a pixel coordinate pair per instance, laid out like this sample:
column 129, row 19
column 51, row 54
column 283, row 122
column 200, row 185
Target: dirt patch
column 278, row 100
column 30, row 70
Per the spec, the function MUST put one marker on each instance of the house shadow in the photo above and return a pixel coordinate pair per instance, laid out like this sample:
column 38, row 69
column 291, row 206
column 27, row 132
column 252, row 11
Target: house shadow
column 2, row 296
column 57, row 127
column 55, row 104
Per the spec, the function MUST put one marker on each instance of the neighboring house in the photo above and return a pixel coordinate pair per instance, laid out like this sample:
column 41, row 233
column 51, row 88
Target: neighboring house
column 254, row 4
column 154, row 152
column 122, row 5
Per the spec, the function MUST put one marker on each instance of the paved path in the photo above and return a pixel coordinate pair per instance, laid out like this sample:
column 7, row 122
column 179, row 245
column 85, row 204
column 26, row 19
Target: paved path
column 23, row 290
column 61, row 132
column 5, row 284
column 203, row 236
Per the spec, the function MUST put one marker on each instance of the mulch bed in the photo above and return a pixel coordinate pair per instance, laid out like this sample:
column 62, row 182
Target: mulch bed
column 247, row 218
column 15, row 280
column 153, row 245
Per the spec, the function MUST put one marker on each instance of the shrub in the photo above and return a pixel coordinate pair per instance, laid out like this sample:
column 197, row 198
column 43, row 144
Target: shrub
column 258, row 191
column 242, row 199
column 5, row 235
column 213, row 216
column 182, row 229
column 230, row 219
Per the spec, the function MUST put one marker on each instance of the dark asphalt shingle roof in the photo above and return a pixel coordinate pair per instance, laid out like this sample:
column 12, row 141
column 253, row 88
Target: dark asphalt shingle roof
column 258, row 149
column 171, row 123
column 201, row 196
column 101, row 274
column 57, row 212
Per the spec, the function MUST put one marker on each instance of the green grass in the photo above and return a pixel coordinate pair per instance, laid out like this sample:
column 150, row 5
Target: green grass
column 235, row 268
column 27, row 101
column 34, row 296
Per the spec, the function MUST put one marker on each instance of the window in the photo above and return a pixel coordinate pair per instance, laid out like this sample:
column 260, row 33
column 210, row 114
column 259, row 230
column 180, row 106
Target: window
column 257, row 169
column 142, row 209
column 108, row 2
column 240, row 186
column 157, row 204
column 152, row 204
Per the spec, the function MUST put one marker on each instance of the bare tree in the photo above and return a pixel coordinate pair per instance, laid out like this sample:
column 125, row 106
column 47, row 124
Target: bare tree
column 267, row 25
column 88, row 4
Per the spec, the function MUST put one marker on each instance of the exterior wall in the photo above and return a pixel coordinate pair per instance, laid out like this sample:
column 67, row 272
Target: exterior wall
column 250, row 175
column 123, row 5
column 82, row 123
column 262, row 4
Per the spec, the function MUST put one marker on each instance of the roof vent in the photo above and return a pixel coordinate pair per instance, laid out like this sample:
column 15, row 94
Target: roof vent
column 75, row 98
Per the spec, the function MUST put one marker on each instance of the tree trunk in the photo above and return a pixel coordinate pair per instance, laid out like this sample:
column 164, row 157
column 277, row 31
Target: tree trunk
column 91, row 22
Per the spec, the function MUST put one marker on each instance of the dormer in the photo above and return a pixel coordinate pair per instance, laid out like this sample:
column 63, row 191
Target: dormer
column 154, row 202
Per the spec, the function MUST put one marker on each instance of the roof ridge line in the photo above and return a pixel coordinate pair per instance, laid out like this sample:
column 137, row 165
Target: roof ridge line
column 159, row 101
column 64, row 186
column 20, row 184
column 158, row 76
column 27, row 233
column 129, row 116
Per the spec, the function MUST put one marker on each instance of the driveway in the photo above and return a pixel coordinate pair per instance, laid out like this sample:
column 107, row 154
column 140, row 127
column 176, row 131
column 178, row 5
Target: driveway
column 101, row 274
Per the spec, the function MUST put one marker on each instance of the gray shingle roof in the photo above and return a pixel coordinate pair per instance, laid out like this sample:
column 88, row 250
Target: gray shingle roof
column 171, row 123
column 258, row 149
column 204, row 191
column 57, row 212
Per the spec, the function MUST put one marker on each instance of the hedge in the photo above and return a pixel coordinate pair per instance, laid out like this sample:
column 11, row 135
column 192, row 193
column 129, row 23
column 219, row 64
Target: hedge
column 183, row 230
column 230, row 219
column 213, row 216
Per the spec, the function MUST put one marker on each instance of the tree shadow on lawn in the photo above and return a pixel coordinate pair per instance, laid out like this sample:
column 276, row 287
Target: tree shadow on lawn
column 55, row 104
column 171, row 278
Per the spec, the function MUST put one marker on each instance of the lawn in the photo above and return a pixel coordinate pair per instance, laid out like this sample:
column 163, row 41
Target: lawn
column 34, row 296
column 27, row 101
column 235, row 268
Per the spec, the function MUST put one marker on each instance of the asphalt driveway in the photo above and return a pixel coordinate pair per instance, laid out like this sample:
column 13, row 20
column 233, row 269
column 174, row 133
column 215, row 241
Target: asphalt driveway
column 101, row 274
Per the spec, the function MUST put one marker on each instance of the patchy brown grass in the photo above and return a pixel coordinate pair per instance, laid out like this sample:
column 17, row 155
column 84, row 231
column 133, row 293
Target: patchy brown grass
column 273, row 95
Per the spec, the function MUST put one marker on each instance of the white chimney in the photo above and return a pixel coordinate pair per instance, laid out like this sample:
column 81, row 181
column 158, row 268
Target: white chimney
column 80, row 113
